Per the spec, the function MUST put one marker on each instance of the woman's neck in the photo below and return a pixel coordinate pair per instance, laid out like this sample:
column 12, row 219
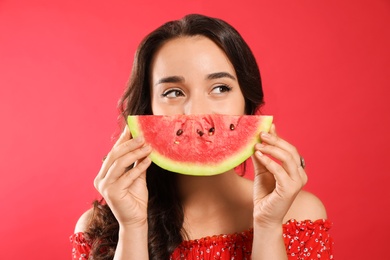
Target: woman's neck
column 216, row 187
column 217, row 204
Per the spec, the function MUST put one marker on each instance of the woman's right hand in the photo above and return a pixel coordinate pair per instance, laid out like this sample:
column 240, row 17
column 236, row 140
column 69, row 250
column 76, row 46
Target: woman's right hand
column 125, row 189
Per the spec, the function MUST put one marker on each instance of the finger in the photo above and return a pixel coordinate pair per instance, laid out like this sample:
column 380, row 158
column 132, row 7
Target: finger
column 275, row 140
column 119, row 151
column 303, row 175
column 135, row 172
column 119, row 166
column 272, row 130
column 125, row 135
column 125, row 147
column 284, row 185
column 128, row 178
column 284, row 157
column 292, row 150
column 264, row 181
column 274, row 168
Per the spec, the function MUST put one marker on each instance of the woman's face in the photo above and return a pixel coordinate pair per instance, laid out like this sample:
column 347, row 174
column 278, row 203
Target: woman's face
column 192, row 75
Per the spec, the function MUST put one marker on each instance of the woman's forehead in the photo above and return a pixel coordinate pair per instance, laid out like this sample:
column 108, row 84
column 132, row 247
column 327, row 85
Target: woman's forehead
column 184, row 54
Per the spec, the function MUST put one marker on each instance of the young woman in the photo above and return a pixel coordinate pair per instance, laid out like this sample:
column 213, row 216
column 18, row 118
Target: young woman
column 200, row 65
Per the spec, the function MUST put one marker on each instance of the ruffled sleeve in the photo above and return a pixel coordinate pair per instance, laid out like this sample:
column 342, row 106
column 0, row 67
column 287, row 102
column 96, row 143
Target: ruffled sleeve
column 308, row 239
column 80, row 247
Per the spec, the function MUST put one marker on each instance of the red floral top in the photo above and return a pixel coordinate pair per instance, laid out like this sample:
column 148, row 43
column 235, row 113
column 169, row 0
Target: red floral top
column 304, row 240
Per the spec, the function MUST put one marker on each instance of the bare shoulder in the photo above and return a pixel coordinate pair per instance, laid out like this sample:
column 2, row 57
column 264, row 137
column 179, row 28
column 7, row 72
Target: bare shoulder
column 84, row 220
column 306, row 206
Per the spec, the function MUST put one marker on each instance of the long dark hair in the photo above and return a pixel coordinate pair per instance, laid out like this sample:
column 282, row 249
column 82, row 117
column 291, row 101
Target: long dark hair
column 165, row 213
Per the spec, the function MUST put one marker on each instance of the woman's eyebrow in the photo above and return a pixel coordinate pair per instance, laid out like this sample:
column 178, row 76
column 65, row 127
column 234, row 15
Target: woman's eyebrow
column 218, row 75
column 170, row 79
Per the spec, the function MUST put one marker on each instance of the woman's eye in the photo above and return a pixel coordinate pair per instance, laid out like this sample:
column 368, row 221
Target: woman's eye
column 173, row 93
column 221, row 89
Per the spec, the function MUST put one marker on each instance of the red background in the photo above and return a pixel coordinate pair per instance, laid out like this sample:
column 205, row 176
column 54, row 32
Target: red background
column 63, row 65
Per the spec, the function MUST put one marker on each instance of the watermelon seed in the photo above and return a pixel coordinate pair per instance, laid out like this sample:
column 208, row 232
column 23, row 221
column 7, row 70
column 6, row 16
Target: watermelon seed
column 199, row 132
column 179, row 132
column 177, row 142
column 232, row 127
column 211, row 131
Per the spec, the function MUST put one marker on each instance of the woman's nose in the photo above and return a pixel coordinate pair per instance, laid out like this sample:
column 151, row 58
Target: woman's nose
column 197, row 106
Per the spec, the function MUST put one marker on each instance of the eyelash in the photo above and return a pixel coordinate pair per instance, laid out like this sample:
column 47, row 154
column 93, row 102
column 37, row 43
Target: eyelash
column 170, row 91
column 225, row 88
column 222, row 88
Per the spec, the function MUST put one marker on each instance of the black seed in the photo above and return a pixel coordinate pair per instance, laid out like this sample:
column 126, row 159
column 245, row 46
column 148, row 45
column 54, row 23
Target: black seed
column 199, row 132
column 232, row 127
column 211, row 131
column 179, row 132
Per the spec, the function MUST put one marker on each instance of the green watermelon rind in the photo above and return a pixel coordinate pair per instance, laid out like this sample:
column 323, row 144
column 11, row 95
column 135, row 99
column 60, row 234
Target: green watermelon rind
column 196, row 169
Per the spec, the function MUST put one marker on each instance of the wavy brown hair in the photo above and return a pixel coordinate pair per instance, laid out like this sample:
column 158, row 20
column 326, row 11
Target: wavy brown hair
column 165, row 212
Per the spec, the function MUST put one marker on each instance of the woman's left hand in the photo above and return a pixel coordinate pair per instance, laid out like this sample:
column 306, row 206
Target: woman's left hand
column 276, row 184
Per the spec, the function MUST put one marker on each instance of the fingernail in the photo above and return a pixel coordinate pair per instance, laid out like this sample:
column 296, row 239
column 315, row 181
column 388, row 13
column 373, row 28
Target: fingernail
column 265, row 135
column 259, row 145
column 258, row 153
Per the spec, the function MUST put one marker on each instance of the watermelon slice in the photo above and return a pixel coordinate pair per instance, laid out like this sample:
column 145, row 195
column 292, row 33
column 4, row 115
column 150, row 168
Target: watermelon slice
column 201, row 145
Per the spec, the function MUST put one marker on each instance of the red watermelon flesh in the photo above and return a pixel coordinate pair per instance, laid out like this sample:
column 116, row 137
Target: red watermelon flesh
column 200, row 145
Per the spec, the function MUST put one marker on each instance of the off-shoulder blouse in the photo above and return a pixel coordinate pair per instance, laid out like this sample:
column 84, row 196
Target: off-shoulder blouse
column 304, row 240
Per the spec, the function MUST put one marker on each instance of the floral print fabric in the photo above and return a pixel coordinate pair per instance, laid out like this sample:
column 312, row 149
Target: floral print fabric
column 304, row 240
